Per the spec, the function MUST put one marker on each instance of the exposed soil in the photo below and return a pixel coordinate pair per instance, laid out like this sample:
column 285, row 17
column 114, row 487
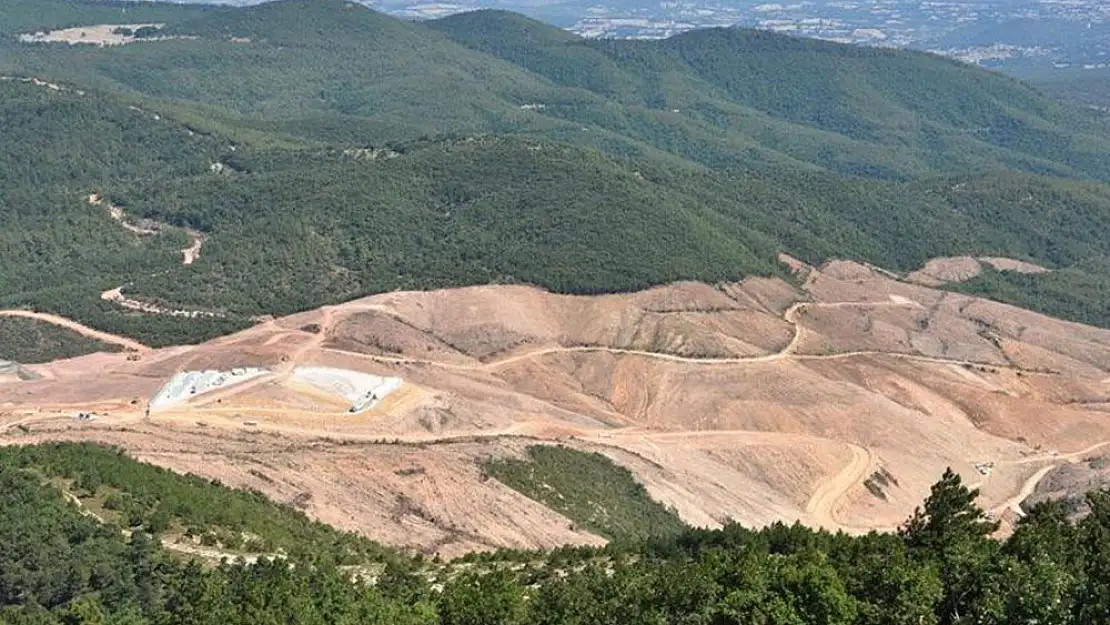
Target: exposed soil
column 117, row 297
column 189, row 255
column 95, row 34
column 954, row 269
column 754, row 401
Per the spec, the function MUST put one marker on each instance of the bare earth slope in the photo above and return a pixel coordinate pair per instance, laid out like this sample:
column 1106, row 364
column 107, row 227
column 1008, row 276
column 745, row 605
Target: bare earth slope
column 837, row 403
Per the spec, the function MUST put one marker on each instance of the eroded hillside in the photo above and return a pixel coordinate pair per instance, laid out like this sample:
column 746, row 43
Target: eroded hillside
column 836, row 403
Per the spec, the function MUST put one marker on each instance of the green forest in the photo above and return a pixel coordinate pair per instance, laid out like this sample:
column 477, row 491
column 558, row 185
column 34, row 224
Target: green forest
column 490, row 148
column 60, row 564
column 589, row 489
column 30, row 342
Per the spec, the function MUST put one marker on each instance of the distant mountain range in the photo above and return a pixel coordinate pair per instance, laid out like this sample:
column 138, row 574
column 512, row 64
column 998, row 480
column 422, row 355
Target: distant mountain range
column 325, row 151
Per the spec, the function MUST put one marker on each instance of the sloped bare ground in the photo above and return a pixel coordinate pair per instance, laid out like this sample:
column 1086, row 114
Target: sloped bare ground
column 404, row 494
column 1070, row 480
column 837, row 404
column 939, row 271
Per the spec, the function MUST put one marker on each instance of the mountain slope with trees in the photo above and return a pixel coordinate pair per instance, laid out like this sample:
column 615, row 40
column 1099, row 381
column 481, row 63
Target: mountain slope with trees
column 21, row 16
column 28, row 341
column 487, row 147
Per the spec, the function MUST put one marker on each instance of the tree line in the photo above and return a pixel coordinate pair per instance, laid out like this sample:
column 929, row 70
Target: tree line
column 58, row 565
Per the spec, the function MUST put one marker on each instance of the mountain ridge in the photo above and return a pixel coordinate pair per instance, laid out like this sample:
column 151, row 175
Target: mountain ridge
column 602, row 166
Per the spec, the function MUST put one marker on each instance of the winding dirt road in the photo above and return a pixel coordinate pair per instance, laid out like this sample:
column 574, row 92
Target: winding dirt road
column 825, row 501
column 192, row 253
column 789, row 351
column 823, row 505
column 189, row 254
column 209, row 553
column 69, row 324
column 1030, row 485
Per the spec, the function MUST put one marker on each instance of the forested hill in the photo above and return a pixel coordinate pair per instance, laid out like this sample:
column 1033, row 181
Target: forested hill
column 325, row 151
column 21, row 16
column 868, row 111
column 88, row 536
column 335, row 70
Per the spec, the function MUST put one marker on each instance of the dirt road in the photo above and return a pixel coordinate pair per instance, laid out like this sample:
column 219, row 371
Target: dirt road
column 192, row 253
column 786, row 352
column 189, row 254
column 117, row 297
column 105, row 337
column 1030, row 485
column 1068, row 457
column 81, row 506
column 209, row 553
column 823, row 504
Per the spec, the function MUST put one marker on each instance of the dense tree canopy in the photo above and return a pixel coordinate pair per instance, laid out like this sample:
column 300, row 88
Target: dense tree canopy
column 58, row 565
column 487, row 147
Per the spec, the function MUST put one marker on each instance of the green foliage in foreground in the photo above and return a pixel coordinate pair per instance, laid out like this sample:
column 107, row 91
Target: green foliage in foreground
column 60, row 567
column 589, row 489
column 28, row 341
column 150, row 498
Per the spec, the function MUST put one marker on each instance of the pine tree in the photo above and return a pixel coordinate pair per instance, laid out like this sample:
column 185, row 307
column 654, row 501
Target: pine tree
column 953, row 533
column 950, row 516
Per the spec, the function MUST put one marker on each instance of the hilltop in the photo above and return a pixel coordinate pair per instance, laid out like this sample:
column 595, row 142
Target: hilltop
column 331, row 224
column 21, row 16
column 723, row 98
column 813, row 101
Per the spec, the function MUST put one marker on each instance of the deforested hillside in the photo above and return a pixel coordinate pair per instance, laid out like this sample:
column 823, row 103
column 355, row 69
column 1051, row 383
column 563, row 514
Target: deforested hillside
column 186, row 511
column 244, row 162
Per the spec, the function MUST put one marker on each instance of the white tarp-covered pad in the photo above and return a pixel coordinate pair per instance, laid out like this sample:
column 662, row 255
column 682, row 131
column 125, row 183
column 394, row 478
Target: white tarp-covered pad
column 363, row 390
column 188, row 384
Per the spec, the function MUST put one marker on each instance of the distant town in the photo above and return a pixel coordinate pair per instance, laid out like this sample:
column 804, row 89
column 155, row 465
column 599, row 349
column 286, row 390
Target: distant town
column 1045, row 33
column 1011, row 35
